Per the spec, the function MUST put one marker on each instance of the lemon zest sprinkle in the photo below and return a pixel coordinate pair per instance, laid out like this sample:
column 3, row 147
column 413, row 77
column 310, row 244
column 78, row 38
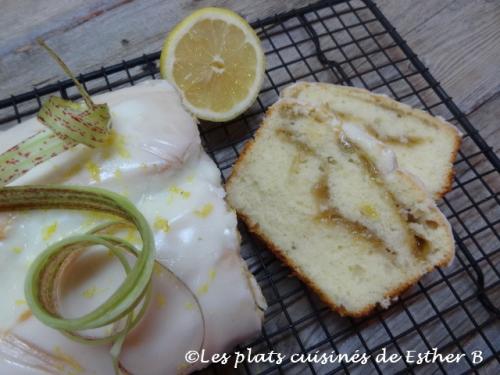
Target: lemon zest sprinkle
column 161, row 224
column 189, row 305
column 203, row 289
column 17, row 249
column 369, row 211
column 91, row 292
column 49, row 231
column 178, row 191
column 212, row 274
column 26, row 314
column 205, row 210
column 94, row 171
column 109, row 145
column 20, row 302
column 116, row 143
column 120, row 145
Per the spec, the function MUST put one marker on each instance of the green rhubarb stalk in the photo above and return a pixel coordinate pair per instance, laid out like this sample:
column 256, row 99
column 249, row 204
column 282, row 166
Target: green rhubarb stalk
column 67, row 124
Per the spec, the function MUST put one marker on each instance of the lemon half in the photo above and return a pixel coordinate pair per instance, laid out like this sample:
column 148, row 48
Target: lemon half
column 215, row 60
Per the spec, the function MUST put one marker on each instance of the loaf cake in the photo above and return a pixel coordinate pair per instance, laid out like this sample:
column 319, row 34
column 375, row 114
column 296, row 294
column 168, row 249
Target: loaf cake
column 329, row 199
column 154, row 158
column 425, row 145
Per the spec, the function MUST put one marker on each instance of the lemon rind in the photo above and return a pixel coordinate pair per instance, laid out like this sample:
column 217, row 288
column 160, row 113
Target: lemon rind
column 166, row 64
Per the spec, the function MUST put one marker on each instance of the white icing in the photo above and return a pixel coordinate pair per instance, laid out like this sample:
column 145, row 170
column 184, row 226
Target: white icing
column 157, row 162
column 383, row 157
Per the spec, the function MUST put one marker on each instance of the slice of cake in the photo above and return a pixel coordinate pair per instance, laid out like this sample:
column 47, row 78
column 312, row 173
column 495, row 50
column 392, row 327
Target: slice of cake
column 425, row 145
column 330, row 201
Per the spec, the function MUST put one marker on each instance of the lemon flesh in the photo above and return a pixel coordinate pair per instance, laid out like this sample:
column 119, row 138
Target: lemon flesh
column 215, row 60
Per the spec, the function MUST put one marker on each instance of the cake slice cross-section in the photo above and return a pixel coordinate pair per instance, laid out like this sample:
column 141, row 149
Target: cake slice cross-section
column 330, row 200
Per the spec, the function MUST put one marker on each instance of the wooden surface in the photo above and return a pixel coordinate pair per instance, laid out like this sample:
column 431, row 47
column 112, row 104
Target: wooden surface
column 459, row 40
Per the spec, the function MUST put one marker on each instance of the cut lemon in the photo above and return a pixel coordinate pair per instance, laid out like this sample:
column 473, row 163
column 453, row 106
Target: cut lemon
column 215, row 60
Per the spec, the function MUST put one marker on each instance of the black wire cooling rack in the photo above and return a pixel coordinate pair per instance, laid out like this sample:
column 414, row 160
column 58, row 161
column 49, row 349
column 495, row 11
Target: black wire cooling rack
column 452, row 309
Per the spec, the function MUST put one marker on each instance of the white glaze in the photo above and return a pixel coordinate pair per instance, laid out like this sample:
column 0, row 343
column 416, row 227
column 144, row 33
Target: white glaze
column 156, row 160
column 383, row 157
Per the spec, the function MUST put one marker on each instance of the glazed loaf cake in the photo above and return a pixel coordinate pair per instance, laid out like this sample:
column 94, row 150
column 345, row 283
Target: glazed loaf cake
column 330, row 201
column 154, row 158
column 425, row 145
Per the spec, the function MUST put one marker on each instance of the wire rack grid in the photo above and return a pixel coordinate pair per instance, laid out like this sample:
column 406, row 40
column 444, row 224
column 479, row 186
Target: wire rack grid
column 351, row 42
